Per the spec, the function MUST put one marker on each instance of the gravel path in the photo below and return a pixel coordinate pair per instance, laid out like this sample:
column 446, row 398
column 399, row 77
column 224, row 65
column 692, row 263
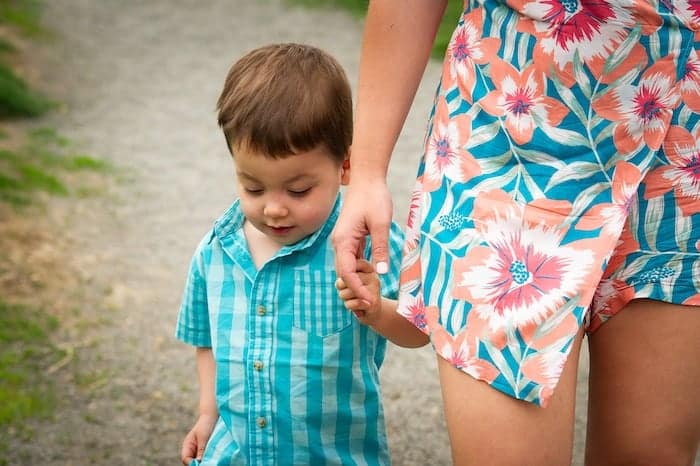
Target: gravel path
column 140, row 80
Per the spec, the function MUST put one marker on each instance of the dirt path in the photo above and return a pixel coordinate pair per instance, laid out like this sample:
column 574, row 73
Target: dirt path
column 140, row 81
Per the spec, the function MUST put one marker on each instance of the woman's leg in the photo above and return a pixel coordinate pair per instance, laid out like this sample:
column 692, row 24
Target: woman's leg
column 487, row 427
column 644, row 395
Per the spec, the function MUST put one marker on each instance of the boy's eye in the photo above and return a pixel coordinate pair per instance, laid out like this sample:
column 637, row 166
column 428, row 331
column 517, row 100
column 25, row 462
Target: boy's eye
column 299, row 192
column 253, row 192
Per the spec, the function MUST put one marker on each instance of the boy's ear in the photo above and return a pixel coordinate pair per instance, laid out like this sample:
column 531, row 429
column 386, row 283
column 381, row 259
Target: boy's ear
column 345, row 175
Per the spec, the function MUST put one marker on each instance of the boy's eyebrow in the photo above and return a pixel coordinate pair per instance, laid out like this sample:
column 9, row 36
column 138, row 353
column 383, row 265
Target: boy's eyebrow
column 290, row 180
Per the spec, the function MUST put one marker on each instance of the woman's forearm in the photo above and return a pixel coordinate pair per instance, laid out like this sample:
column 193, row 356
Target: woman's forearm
column 397, row 41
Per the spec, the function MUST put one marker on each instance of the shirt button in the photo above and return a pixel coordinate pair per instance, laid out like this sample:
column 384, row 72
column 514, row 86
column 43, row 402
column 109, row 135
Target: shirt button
column 262, row 311
column 261, row 422
column 257, row 365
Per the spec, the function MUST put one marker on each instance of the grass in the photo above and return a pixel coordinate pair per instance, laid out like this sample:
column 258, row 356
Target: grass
column 24, row 15
column 25, row 354
column 359, row 8
column 16, row 98
column 41, row 165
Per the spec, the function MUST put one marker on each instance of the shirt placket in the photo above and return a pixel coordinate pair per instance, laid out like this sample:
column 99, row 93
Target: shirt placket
column 258, row 364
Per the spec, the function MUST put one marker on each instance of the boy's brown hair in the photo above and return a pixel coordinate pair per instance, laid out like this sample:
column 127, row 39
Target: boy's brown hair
column 283, row 99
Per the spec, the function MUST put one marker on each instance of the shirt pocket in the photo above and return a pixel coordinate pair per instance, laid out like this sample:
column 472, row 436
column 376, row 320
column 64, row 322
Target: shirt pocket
column 318, row 309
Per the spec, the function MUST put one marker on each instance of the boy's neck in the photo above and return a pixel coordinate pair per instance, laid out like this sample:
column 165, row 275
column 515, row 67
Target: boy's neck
column 261, row 247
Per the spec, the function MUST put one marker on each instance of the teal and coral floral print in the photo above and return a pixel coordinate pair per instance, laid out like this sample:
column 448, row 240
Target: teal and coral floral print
column 560, row 179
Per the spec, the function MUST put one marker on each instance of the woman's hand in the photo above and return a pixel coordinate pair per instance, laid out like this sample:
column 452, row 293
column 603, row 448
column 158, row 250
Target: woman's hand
column 366, row 210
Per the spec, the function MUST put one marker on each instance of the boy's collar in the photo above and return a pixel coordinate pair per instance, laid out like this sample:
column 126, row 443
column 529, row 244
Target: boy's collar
column 232, row 220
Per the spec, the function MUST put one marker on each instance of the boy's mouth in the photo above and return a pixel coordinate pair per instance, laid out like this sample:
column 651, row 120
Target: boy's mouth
column 280, row 230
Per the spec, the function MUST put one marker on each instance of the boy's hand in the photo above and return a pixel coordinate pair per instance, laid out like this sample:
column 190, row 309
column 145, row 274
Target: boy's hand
column 366, row 313
column 196, row 439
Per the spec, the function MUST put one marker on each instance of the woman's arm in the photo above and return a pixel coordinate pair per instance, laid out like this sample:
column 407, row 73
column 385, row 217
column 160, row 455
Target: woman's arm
column 396, row 45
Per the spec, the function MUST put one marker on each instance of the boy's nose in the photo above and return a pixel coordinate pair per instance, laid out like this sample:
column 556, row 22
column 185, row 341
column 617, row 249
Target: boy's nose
column 274, row 210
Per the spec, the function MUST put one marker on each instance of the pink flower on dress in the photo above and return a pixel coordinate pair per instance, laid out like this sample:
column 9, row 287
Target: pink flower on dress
column 413, row 221
column 467, row 49
column 690, row 82
column 545, row 368
column 413, row 309
column 610, row 297
column 611, row 216
column 520, row 97
column 459, row 350
column 626, row 244
column 445, row 156
column 642, row 112
column 682, row 175
column 689, row 12
column 593, row 29
column 523, row 273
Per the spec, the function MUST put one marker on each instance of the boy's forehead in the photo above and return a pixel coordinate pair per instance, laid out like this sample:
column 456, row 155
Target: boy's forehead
column 311, row 164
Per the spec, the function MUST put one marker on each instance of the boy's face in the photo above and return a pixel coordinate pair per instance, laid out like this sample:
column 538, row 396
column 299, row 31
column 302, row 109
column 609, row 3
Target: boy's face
column 290, row 198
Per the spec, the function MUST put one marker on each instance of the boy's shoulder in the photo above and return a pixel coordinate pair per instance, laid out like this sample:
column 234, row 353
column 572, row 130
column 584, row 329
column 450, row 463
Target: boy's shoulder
column 227, row 223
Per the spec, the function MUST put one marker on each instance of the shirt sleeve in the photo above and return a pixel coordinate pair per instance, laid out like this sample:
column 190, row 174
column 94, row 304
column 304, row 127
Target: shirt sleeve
column 193, row 320
column 390, row 280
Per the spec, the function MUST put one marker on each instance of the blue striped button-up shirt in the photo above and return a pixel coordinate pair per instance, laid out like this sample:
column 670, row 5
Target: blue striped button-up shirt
column 297, row 377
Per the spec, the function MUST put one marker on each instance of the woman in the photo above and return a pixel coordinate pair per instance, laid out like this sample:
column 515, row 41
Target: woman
column 558, row 188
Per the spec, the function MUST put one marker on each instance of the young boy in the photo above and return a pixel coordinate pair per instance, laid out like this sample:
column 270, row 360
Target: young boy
column 286, row 375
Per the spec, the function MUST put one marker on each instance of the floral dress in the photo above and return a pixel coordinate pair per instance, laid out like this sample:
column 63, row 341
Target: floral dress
column 560, row 179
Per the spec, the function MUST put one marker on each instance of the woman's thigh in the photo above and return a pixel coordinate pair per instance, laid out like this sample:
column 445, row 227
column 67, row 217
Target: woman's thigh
column 487, row 427
column 644, row 386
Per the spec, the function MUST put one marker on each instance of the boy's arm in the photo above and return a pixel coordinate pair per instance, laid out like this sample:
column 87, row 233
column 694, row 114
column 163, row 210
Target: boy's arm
column 396, row 328
column 196, row 439
column 206, row 370
column 381, row 315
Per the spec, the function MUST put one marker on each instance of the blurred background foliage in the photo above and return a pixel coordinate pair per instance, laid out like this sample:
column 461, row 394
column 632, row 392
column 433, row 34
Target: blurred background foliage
column 359, row 8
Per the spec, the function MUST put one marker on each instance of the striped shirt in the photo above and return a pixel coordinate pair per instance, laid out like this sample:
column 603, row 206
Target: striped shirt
column 297, row 377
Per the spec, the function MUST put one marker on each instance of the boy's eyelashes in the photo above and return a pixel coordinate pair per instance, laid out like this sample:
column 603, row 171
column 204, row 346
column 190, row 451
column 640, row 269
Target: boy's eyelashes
column 299, row 192
column 291, row 192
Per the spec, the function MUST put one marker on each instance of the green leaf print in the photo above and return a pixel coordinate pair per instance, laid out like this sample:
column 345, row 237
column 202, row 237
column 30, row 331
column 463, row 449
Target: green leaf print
column 497, row 182
column 636, row 266
column 569, row 99
column 622, row 51
column 684, row 226
column 532, row 187
column 500, row 362
column 541, row 158
column 510, row 39
column 606, row 133
column 483, row 134
column 493, row 164
column 573, row 171
column 581, row 77
column 652, row 220
column 583, row 200
column 564, row 136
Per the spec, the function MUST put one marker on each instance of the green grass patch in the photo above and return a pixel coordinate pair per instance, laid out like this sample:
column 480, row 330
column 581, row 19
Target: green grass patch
column 42, row 165
column 25, row 354
column 24, row 15
column 17, row 100
column 359, row 8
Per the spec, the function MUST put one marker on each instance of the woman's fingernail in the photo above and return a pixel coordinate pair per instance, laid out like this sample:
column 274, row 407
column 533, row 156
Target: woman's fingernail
column 382, row 267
